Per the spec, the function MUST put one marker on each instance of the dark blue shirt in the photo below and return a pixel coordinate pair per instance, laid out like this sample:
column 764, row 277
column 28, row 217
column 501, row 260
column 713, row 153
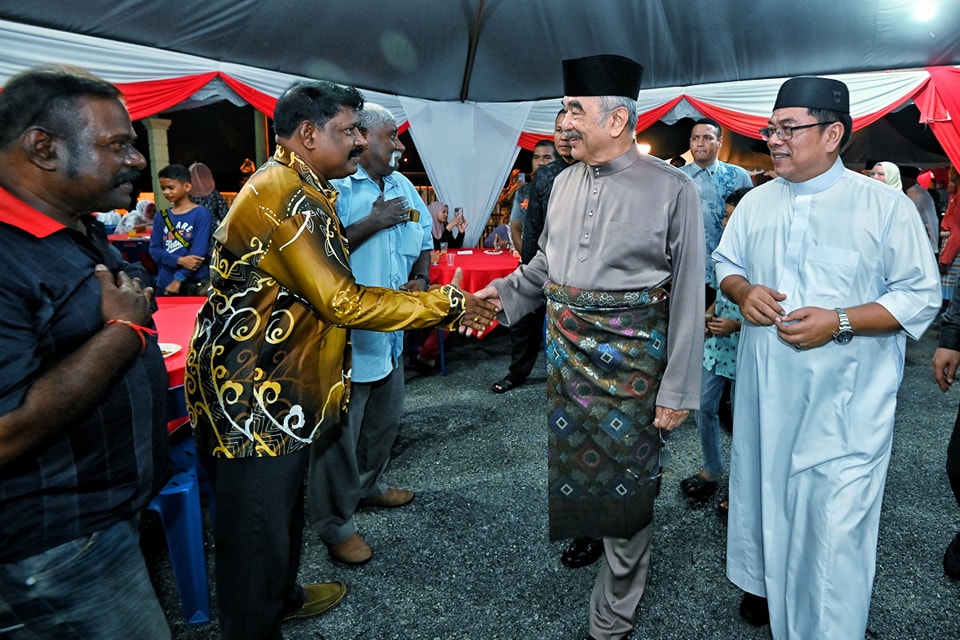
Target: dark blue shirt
column 950, row 324
column 103, row 467
column 195, row 228
column 538, row 200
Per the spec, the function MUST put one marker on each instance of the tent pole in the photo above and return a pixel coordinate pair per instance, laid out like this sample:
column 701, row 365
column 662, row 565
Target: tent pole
column 471, row 54
column 159, row 154
column 260, row 131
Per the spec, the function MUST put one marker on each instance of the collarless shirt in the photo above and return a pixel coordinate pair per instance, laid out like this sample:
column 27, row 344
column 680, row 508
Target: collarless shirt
column 630, row 224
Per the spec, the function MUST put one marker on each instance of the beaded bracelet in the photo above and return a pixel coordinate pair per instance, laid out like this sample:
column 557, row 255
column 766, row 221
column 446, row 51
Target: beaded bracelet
column 142, row 331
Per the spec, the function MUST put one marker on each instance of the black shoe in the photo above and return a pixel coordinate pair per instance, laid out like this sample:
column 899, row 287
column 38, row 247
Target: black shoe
column 507, row 383
column 582, row 552
column 753, row 609
column 951, row 559
column 697, row 487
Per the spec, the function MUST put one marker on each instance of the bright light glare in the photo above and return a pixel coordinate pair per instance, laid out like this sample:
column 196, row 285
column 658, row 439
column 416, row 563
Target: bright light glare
column 644, row 147
column 924, row 10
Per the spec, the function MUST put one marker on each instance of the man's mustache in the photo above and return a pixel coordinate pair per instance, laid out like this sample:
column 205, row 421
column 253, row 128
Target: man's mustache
column 130, row 175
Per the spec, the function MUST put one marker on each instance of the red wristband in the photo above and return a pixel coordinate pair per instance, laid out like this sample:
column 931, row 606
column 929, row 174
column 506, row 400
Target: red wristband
column 142, row 331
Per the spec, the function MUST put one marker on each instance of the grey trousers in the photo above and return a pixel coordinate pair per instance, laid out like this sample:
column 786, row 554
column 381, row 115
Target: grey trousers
column 351, row 468
column 620, row 584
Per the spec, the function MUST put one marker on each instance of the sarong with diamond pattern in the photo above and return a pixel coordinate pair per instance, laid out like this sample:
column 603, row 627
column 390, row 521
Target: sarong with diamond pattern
column 606, row 353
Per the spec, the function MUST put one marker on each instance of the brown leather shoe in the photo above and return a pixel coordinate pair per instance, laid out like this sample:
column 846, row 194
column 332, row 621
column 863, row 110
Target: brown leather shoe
column 321, row 596
column 390, row 499
column 353, row 550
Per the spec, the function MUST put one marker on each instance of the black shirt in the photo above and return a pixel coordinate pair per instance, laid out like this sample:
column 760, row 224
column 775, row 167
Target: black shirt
column 540, row 190
column 104, row 467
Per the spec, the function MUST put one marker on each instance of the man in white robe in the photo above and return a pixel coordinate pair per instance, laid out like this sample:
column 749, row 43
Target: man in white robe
column 831, row 271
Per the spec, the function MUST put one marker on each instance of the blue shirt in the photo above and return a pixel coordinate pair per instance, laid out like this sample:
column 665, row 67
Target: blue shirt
column 195, row 226
column 720, row 352
column 383, row 260
column 715, row 182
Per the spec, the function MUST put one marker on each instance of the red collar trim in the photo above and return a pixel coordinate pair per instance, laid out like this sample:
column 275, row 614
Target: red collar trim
column 19, row 214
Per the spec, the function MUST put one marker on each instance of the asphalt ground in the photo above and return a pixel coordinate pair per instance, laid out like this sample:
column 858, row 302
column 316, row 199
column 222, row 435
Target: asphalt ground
column 470, row 559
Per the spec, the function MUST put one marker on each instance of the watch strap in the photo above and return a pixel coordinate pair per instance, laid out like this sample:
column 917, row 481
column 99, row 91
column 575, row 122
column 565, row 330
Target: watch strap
column 845, row 331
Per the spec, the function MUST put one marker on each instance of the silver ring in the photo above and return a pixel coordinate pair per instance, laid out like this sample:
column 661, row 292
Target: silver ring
column 798, row 347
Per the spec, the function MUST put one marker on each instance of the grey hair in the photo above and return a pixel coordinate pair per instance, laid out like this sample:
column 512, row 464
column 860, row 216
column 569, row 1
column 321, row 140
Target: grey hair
column 609, row 104
column 374, row 115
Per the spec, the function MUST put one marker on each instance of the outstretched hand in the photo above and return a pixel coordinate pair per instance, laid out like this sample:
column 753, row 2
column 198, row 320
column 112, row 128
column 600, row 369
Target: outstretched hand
column 491, row 296
column 479, row 314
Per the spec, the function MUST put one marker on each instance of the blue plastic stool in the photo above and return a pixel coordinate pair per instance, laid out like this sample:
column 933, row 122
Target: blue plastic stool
column 178, row 504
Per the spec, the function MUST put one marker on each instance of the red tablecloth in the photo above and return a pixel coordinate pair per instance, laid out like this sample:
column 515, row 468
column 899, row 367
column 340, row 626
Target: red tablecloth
column 174, row 320
column 479, row 267
column 124, row 237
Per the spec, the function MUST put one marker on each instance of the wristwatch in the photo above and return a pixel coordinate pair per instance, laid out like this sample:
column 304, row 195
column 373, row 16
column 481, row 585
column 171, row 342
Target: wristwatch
column 844, row 334
column 422, row 276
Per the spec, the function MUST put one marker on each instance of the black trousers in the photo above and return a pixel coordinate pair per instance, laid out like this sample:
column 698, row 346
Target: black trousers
column 258, row 531
column 953, row 459
column 526, row 338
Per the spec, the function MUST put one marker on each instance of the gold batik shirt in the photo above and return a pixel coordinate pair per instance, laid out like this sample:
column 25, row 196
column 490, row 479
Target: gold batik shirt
column 269, row 365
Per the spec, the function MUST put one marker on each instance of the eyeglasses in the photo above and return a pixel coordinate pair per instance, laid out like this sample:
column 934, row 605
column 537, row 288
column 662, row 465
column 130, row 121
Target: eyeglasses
column 784, row 132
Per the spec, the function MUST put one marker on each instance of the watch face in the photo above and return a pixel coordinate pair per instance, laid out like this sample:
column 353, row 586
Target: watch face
column 843, row 337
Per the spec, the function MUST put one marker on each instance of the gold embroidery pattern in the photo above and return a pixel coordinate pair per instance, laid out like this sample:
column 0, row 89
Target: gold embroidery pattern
column 268, row 369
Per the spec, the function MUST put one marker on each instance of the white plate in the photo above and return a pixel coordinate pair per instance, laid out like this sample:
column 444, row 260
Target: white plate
column 492, row 252
column 169, row 348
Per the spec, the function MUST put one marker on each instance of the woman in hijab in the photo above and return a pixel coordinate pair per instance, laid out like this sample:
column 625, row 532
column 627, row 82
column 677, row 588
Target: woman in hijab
column 138, row 220
column 888, row 173
column 902, row 180
column 444, row 229
column 204, row 192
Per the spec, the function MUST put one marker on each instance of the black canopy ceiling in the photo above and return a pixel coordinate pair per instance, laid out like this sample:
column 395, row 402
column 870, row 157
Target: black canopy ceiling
column 509, row 50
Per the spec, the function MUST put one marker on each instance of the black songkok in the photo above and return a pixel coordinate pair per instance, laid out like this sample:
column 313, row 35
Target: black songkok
column 604, row 75
column 814, row 93
column 908, row 171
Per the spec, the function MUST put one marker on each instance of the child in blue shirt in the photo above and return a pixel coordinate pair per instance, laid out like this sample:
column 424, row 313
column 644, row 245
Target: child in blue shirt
column 180, row 242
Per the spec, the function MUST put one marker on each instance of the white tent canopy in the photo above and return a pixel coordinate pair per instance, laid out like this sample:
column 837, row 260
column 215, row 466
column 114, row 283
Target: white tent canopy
column 465, row 74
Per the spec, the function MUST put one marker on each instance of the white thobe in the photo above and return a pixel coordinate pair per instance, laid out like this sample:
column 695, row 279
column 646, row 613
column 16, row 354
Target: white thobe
column 813, row 429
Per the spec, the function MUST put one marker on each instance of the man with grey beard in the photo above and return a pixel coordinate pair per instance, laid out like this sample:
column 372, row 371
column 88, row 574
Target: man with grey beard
column 389, row 230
